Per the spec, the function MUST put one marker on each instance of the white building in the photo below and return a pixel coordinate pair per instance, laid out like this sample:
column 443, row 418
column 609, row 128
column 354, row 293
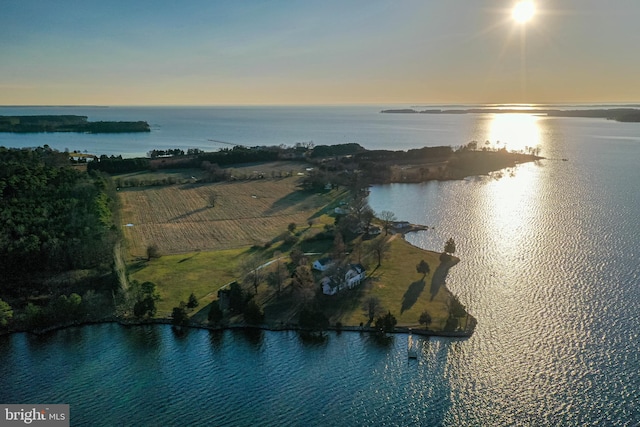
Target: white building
column 354, row 275
column 322, row 264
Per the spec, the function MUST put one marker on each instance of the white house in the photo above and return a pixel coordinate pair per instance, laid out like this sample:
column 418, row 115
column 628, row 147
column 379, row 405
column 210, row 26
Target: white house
column 330, row 286
column 322, row 264
column 354, row 275
column 352, row 278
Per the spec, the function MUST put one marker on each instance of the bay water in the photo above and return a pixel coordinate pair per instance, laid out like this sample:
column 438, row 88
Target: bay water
column 550, row 267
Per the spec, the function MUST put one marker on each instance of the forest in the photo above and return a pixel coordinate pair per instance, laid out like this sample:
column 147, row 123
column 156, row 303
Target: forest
column 53, row 219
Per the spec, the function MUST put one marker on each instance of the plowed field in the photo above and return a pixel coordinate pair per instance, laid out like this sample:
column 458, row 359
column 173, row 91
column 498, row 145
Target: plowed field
column 180, row 218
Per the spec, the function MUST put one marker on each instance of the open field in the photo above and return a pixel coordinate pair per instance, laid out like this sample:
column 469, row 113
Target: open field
column 185, row 176
column 180, row 218
column 177, row 276
column 395, row 283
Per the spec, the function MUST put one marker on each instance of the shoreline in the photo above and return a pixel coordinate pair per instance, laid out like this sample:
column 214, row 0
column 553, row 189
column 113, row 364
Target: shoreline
column 396, row 231
column 285, row 328
column 410, row 228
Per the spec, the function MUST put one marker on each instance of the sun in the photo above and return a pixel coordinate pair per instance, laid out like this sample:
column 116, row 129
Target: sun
column 523, row 11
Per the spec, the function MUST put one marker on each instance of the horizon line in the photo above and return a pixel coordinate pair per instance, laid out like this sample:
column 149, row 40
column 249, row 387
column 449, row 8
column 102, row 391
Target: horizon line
column 411, row 104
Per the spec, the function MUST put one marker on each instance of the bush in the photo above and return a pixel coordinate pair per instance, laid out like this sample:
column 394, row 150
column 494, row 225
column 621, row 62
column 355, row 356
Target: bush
column 193, row 301
column 445, row 258
column 386, row 323
column 179, row 317
column 425, row 319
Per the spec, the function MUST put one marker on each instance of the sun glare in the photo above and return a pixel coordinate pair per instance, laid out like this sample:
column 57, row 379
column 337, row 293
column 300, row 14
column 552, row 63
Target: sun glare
column 523, row 11
column 515, row 131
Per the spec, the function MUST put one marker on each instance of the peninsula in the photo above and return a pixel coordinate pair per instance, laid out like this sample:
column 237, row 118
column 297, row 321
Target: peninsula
column 67, row 123
column 617, row 114
column 234, row 238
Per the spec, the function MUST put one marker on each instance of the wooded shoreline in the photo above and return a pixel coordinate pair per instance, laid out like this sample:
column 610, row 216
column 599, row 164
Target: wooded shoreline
column 617, row 114
column 67, row 123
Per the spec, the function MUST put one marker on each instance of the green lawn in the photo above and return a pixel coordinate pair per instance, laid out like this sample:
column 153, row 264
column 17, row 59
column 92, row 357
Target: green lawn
column 398, row 286
column 177, row 276
column 396, row 283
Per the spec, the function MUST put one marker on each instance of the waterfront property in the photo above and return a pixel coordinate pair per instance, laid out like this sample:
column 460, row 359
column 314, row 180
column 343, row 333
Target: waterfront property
column 354, row 276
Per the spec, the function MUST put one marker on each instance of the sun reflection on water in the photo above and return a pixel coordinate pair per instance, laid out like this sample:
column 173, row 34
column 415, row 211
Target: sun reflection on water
column 509, row 202
column 515, row 131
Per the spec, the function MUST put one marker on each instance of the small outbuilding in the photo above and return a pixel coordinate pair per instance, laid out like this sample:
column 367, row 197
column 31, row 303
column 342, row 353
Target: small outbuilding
column 322, row 264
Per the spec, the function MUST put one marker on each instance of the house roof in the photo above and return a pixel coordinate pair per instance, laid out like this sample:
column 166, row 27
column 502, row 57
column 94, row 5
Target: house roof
column 359, row 268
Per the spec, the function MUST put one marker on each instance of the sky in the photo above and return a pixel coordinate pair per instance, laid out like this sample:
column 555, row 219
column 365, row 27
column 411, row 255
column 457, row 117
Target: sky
column 255, row 52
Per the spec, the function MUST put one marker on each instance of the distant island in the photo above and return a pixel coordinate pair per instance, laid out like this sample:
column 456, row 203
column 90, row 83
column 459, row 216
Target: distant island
column 67, row 123
column 617, row 114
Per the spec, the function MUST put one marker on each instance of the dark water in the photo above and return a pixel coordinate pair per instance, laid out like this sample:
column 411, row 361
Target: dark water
column 138, row 376
column 550, row 267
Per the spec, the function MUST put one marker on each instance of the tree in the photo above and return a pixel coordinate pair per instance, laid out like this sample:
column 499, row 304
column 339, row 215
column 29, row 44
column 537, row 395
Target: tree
column 367, row 215
column 387, row 218
column 6, row 314
column 339, row 248
column 252, row 271
column 423, row 267
column 146, row 297
column 425, row 319
column 215, row 313
column 380, row 247
column 237, row 299
column 152, row 251
column 456, row 308
column 450, row 246
column 372, row 308
column 291, row 227
column 253, row 315
column 360, row 209
column 297, row 257
column 145, row 307
column 303, row 283
column 277, row 276
column 386, row 323
column 193, row 301
column 34, row 315
column 179, row 316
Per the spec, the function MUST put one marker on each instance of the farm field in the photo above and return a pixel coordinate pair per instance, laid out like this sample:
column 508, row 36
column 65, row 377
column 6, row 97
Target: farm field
column 185, row 176
column 181, row 218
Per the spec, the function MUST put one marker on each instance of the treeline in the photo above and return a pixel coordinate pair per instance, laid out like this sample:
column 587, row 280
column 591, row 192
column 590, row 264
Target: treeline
column 67, row 123
column 64, row 309
column 53, row 218
column 177, row 160
column 336, row 150
column 419, row 155
column 153, row 154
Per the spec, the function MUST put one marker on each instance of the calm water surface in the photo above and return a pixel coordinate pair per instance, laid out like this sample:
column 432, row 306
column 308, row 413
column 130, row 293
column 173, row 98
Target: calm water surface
column 550, row 267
